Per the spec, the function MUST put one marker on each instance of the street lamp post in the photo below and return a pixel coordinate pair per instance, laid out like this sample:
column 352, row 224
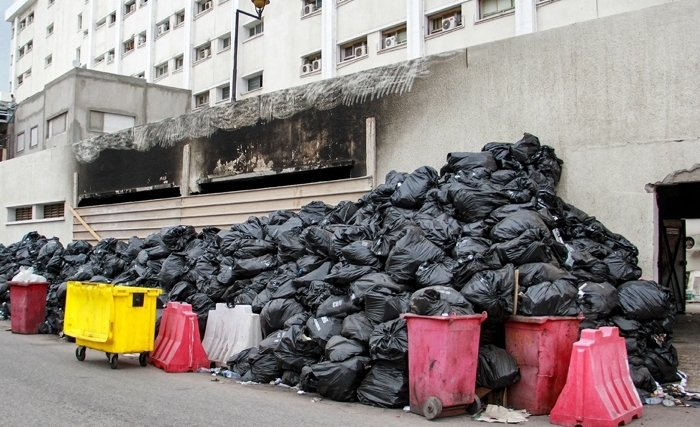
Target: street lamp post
column 259, row 7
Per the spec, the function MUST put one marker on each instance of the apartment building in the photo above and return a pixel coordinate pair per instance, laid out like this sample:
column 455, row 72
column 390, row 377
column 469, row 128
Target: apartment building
column 188, row 44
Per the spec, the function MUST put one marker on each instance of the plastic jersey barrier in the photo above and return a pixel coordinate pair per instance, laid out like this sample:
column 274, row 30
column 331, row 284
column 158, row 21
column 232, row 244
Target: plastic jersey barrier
column 230, row 331
column 178, row 347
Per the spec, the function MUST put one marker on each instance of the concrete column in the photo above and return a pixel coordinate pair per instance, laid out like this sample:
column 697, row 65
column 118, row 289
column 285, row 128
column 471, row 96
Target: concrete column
column 185, row 180
column 189, row 36
column 13, row 67
column 150, row 40
column 329, row 39
column 415, row 29
column 525, row 17
column 119, row 48
column 371, row 149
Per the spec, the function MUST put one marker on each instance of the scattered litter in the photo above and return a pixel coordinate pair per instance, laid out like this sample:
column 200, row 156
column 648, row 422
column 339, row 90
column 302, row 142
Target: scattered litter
column 499, row 414
column 316, row 399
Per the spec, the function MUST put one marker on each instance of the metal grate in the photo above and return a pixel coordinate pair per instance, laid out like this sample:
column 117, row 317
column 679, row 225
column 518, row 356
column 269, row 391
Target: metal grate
column 54, row 210
column 23, row 214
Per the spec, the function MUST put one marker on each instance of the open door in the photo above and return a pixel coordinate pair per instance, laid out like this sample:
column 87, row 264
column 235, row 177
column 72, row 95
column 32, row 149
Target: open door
column 672, row 259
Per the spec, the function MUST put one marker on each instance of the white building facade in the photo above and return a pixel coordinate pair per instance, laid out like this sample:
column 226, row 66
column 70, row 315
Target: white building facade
column 188, row 44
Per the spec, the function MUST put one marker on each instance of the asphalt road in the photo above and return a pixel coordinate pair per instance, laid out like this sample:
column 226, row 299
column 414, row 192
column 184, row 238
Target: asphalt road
column 41, row 384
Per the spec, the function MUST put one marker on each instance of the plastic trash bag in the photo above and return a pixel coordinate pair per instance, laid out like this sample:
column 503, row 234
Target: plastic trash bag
column 264, row 369
column 26, row 275
column 337, row 306
column 439, row 301
column 492, row 291
column 409, row 253
column 644, row 300
column 496, row 369
column 336, row 380
column 381, row 305
column 527, row 248
column 384, row 387
column 597, row 300
column 621, row 269
column 461, row 161
column 524, row 150
column 357, row 327
column 517, row 223
column 319, row 242
column 339, row 349
column 276, row 312
column 662, row 364
column 558, row 298
column 360, row 253
column 344, row 274
column 296, row 350
column 323, row 329
column 251, row 267
column 388, row 344
column 374, row 281
column 176, row 238
column 174, row 267
column 442, row 230
column 539, row 272
column 502, row 155
column 290, row 247
column 642, row 378
column 412, row 192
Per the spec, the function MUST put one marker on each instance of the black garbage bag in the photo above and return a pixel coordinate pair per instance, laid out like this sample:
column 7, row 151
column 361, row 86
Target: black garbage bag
column 476, row 203
column 375, row 281
column 316, row 275
column 181, row 291
column 253, row 266
column 49, row 250
column 176, row 238
column 271, row 342
column 253, row 228
column 260, row 301
column 299, row 319
column 336, row 380
column 558, row 298
column 296, row 350
column 253, row 248
column 662, row 364
column 323, row 328
column 243, row 297
column 84, row 273
column 471, row 246
column 492, row 291
column 388, row 344
column 319, row 242
column 339, row 349
column 344, row 273
column 436, row 273
column 342, row 213
column 291, row 378
column 442, row 230
column 496, row 369
column 345, row 235
column 520, row 190
column 276, row 312
column 290, row 247
column 240, row 362
column 524, row 150
column 382, row 306
column 642, row 378
column 597, row 300
column 309, row 263
column 264, row 368
column 337, row 306
column 78, row 247
column 460, row 161
column 384, row 387
column 644, row 300
column 517, row 223
column 412, row 192
column 408, row 254
column 357, row 327
column 360, row 253
column 502, row 155
column 314, row 212
column 174, row 267
column 529, row 247
column 476, row 229
column 621, row 269
column 292, row 225
column 439, row 301
column 315, row 294
column 539, row 272
column 201, row 304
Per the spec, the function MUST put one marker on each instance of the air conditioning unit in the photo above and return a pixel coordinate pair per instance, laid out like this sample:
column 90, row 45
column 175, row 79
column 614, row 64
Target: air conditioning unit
column 110, row 57
column 361, row 51
column 162, row 29
column 132, row 7
column 449, row 23
column 142, row 41
column 692, row 243
column 307, row 68
column 316, row 65
column 309, row 9
column 390, row 42
column 207, row 5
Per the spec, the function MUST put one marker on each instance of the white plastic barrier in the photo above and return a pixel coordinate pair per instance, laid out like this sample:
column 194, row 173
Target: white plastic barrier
column 694, row 287
column 230, row 331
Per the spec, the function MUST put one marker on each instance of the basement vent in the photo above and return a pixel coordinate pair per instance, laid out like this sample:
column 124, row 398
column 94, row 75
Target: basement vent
column 54, row 210
column 23, row 214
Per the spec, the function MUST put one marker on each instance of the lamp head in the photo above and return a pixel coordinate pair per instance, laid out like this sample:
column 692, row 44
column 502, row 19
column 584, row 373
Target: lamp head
column 260, row 6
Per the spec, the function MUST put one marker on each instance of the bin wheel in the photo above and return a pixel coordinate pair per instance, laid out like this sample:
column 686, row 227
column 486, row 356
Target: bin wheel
column 475, row 406
column 113, row 360
column 107, row 354
column 432, row 408
column 143, row 359
column 80, row 353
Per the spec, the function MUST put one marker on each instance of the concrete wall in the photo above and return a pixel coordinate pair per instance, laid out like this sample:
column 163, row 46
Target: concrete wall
column 692, row 229
column 619, row 105
column 44, row 177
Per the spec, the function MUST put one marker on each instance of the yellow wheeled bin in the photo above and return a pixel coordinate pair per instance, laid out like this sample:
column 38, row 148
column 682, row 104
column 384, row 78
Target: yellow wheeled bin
column 113, row 319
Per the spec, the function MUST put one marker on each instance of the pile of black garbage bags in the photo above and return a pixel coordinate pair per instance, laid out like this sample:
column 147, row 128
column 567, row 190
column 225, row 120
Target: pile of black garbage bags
column 330, row 282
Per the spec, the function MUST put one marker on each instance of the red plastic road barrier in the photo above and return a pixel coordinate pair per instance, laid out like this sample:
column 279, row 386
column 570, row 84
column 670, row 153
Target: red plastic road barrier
column 28, row 306
column 599, row 391
column 443, row 353
column 542, row 347
column 178, row 347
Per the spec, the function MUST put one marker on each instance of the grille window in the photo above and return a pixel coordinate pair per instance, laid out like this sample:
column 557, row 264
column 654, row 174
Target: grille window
column 54, row 210
column 23, row 214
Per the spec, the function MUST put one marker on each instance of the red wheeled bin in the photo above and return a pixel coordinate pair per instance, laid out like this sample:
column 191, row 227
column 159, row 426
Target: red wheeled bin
column 443, row 353
column 542, row 347
column 28, row 306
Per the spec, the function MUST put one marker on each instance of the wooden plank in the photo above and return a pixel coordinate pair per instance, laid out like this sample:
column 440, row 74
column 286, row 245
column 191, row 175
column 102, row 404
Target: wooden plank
column 83, row 223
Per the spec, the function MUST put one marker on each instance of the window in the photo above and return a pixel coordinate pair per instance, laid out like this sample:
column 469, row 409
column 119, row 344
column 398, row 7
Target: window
column 53, row 210
column 34, row 136
column 143, row 3
column 142, row 39
column 30, row 45
column 77, row 54
column 109, row 122
column 30, row 18
column 162, row 27
column 179, row 62
column 224, row 43
column 110, row 56
column 128, row 46
column 51, row 2
column 204, row 5
column 352, row 50
column 112, row 18
column 80, row 21
column 56, row 125
column 20, row 52
column 394, row 37
column 445, row 21
column 48, row 60
column 20, row 142
column 20, row 79
column 255, row 83
column 101, row 23
column 311, row 63
column 23, row 213
column 161, row 70
column 28, row 73
column 22, row 24
column 129, row 8
column 224, row 93
column 203, row 52
column 180, row 18
column 99, row 59
column 201, row 100
column 493, row 7
column 311, row 6
column 141, row 75
column 85, row 33
column 49, row 30
column 255, row 30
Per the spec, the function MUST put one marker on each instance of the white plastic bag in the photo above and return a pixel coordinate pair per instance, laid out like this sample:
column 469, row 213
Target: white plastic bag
column 26, row 275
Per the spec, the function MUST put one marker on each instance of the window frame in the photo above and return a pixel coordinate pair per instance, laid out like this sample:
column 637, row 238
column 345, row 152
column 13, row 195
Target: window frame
column 21, row 146
column 50, row 29
column 249, row 79
column 203, row 47
column 440, row 16
column 497, row 12
column 308, row 60
column 222, row 43
column 29, row 209
column 203, row 97
column 181, row 59
column 158, row 68
column 253, row 28
column 200, row 3
column 34, row 136
column 48, row 61
column 354, row 44
column 220, row 93
column 49, row 125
